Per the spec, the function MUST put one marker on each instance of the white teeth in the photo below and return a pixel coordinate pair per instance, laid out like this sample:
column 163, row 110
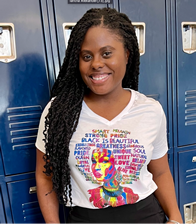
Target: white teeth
column 100, row 78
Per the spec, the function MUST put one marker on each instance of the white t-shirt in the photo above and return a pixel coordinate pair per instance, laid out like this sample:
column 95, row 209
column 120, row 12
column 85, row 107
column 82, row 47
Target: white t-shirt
column 108, row 159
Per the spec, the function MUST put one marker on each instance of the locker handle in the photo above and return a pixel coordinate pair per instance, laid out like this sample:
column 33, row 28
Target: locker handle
column 194, row 159
column 140, row 29
column 1, row 30
column 33, row 190
column 189, row 37
column 7, row 42
column 67, row 28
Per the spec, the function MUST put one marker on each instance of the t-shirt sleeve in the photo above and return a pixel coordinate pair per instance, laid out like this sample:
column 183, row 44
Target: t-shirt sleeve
column 40, row 144
column 160, row 144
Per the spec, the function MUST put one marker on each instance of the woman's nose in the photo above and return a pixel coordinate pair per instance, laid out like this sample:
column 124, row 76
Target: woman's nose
column 97, row 63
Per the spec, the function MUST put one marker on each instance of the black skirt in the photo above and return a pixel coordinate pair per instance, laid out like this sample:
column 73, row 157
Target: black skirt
column 145, row 211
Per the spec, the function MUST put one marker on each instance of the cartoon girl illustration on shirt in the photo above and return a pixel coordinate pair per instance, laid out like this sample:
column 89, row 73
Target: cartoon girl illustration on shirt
column 110, row 193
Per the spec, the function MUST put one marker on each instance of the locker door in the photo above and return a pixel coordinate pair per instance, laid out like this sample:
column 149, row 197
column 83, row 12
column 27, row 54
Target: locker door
column 187, row 178
column 2, row 214
column 24, row 204
column 24, row 87
column 186, row 71
column 153, row 68
column 66, row 13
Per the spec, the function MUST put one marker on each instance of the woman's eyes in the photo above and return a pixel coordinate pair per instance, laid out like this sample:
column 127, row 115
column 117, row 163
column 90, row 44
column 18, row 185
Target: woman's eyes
column 88, row 57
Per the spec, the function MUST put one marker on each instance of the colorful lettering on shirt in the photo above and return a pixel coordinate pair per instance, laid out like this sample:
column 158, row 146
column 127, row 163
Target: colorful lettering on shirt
column 110, row 159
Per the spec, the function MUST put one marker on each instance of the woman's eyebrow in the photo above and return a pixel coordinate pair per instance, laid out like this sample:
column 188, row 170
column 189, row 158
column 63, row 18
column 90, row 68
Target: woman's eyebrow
column 101, row 49
column 106, row 47
column 85, row 51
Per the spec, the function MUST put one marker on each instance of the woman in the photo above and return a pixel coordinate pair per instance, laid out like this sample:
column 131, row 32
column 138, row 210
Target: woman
column 94, row 107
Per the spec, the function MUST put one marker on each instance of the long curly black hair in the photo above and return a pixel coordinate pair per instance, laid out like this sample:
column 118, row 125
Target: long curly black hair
column 69, row 89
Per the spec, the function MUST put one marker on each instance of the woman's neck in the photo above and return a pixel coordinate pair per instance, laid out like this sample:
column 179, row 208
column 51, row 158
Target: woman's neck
column 108, row 107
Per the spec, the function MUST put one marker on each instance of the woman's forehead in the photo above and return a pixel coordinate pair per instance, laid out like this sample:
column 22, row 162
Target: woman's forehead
column 101, row 31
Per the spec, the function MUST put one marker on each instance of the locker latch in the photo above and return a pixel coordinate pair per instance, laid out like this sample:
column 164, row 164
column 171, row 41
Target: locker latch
column 7, row 42
column 1, row 30
column 67, row 28
column 189, row 37
column 190, row 213
column 140, row 33
column 33, row 190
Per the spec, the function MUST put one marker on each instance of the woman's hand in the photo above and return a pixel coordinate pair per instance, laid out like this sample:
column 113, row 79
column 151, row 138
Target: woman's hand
column 166, row 191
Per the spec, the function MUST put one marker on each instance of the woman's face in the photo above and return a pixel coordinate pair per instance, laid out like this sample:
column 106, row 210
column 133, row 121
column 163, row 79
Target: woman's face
column 102, row 61
column 103, row 164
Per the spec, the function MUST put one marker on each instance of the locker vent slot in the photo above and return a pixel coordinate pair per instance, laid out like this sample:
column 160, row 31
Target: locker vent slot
column 190, row 107
column 23, row 125
column 31, row 212
column 190, row 176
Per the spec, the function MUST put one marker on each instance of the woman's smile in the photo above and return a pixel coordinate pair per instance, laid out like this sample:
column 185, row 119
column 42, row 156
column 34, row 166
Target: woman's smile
column 98, row 78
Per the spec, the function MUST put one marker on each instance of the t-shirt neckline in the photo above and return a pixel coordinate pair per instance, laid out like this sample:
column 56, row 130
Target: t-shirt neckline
column 115, row 119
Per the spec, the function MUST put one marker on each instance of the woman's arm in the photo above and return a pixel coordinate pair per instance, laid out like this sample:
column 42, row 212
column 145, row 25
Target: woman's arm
column 48, row 201
column 166, row 191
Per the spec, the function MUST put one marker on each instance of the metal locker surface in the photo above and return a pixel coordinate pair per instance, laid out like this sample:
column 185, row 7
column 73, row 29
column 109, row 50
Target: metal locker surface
column 65, row 13
column 185, row 76
column 153, row 64
column 24, row 86
column 187, row 177
column 24, row 203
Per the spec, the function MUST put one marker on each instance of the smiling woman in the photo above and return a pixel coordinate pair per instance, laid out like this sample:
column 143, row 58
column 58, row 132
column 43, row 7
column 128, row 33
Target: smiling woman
column 102, row 63
column 104, row 152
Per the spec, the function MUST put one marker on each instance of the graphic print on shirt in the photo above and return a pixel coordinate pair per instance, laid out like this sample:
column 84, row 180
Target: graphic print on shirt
column 110, row 159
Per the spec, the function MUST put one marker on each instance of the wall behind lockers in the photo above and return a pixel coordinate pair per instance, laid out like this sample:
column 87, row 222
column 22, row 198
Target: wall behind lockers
column 33, row 37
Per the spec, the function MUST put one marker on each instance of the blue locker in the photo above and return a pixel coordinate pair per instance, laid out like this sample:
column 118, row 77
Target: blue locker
column 184, row 99
column 187, row 177
column 185, row 73
column 24, row 204
column 24, row 86
column 62, row 13
column 154, row 75
column 153, row 63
